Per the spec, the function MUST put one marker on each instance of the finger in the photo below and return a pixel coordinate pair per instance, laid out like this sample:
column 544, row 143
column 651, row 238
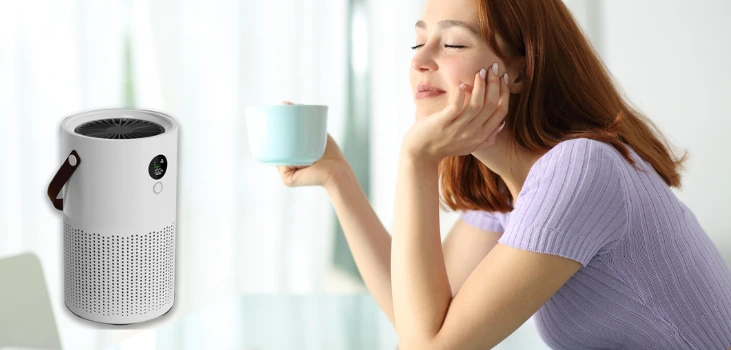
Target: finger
column 492, row 99
column 287, row 103
column 287, row 174
column 492, row 139
column 477, row 99
column 283, row 170
column 501, row 111
column 485, row 111
column 455, row 106
column 493, row 89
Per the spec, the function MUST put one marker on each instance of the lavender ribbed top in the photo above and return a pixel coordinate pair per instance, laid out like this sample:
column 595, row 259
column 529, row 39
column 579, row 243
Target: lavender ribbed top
column 651, row 277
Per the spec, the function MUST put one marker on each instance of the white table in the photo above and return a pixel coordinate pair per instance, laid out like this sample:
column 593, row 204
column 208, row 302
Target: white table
column 290, row 322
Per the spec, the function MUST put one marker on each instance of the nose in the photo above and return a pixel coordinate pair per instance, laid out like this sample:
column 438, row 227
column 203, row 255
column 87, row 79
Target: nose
column 423, row 60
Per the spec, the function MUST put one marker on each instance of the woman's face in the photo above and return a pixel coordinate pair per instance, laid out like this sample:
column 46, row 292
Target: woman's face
column 449, row 51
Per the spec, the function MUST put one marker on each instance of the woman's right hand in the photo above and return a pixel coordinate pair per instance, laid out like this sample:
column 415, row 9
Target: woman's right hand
column 321, row 173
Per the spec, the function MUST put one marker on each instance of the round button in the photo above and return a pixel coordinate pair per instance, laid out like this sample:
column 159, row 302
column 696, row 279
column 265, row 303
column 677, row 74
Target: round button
column 72, row 160
column 157, row 188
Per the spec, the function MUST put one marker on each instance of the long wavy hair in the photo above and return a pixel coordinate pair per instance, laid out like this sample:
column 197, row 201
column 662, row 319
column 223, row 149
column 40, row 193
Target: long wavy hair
column 567, row 93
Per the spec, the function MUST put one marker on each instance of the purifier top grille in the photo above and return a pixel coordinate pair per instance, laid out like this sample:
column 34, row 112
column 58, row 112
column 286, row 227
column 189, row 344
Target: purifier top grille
column 119, row 128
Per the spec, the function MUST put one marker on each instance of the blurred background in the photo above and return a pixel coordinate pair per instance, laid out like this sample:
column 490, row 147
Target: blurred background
column 240, row 231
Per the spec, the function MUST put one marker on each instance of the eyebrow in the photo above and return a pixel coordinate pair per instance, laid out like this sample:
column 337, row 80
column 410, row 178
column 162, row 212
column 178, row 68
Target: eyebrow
column 448, row 23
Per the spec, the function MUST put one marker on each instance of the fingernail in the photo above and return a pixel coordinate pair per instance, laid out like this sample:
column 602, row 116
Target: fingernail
column 501, row 127
column 462, row 86
column 483, row 72
column 494, row 68
column 505, row 77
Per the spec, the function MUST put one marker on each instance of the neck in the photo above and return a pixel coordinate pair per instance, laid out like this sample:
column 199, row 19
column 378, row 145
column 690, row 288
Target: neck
column 511, row 164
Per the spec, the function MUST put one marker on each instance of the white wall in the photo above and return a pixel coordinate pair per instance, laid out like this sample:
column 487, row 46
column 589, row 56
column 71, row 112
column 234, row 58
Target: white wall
column 392, row 112
column 672, row 58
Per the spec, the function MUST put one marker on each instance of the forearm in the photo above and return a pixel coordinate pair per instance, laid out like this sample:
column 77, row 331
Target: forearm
column 368, row 240
column 421, row 292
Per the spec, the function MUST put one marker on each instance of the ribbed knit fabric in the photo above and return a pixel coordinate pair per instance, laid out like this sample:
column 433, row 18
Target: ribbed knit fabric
column 651, row 277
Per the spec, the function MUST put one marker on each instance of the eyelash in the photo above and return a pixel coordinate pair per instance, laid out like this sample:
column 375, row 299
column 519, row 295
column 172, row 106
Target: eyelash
column 447, row 46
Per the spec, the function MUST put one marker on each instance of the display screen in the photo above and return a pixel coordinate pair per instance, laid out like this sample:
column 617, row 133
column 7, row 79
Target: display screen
column 157, row 167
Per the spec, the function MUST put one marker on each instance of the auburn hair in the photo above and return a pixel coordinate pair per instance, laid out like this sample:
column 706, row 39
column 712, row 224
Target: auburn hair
column 567, row 93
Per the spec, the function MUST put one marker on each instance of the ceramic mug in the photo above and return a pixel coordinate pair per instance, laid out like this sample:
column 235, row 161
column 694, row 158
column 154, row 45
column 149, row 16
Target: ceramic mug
column 292, row 135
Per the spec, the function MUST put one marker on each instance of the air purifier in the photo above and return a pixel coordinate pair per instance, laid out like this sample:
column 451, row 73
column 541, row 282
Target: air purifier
column 119, row 191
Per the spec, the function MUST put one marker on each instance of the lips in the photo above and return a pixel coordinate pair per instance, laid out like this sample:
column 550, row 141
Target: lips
column 427, row 91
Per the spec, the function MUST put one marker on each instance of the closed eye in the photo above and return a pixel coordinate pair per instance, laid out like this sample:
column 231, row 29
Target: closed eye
column 446, row 46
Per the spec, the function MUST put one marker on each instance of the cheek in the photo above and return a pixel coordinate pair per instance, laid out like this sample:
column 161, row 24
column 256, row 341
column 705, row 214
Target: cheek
column 461, row 69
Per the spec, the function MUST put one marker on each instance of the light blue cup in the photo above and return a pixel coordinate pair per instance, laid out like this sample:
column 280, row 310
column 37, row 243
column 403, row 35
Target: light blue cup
column 293, row 135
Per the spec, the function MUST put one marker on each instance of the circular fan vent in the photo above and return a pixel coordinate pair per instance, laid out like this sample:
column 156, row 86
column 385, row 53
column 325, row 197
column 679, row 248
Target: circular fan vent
column 119, row 128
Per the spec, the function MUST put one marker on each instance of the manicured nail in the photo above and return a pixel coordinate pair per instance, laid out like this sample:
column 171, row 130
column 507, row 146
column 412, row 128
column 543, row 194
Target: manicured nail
column 462, row 86
column 494, row 68
column 505, row 77
column 500, row 128
column 483, row 72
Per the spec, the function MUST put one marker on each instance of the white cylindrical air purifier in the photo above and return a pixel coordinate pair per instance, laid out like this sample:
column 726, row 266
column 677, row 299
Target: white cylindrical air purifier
column 119, row 182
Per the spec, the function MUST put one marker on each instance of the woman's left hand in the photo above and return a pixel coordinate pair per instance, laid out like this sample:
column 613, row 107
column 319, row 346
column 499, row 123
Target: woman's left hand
column 462, row 126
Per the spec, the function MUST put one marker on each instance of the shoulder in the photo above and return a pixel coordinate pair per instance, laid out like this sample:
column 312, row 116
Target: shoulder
column 576, row 156
column 580, row 148
column 577, row 167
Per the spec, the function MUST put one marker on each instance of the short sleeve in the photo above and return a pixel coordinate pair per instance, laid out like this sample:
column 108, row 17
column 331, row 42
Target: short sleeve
column 572, row 203
column 483, row 220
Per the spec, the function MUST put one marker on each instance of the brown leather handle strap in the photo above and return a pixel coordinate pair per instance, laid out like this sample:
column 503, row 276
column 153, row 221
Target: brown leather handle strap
column 62, row 176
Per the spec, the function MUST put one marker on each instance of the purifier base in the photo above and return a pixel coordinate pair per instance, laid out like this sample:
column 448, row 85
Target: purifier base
column 119, row 276
column 120, row 320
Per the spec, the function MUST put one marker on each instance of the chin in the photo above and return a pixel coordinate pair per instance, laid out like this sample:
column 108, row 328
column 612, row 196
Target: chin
column 424, row 110
column 422, row 114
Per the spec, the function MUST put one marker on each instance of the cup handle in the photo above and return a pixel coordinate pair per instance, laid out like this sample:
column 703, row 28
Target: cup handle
column 62, row 176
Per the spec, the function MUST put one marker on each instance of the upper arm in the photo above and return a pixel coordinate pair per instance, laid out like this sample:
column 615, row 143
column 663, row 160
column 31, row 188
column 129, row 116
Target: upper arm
column 507, row 287
column 464, row 247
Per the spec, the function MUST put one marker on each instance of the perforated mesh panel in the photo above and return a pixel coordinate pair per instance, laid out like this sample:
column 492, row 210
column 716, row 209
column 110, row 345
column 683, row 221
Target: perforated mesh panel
column 119, row 276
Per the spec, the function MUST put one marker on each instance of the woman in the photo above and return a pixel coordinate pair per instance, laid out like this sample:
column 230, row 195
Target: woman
column 599, row 250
